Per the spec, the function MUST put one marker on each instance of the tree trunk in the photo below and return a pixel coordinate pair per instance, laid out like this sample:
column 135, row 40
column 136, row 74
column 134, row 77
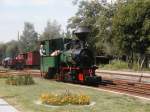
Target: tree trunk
column 142, row 62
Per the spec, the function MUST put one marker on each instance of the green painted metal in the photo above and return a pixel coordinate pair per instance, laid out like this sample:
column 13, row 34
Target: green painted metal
column 66, row 57
column 52, row 45
column 49, row 62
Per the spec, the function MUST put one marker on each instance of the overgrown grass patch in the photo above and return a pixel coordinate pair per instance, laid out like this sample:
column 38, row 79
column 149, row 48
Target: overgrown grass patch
column 115, row 65
column 20, row 80
column 122, row 65
column 24, row 98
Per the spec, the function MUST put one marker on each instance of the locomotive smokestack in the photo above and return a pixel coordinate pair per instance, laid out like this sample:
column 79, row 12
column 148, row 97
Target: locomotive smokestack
column 82, row 32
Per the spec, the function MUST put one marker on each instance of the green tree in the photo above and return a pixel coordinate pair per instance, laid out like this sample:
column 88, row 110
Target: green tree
column 131, row 27
column 87, row 15
column 28, row 39
column 2, row 51
column 12, row 48
column 51, row 31
column 98, row 17
column 104, row 25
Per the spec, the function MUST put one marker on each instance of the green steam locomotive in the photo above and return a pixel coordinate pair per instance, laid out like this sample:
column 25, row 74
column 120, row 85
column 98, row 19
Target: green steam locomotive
column 69, row 60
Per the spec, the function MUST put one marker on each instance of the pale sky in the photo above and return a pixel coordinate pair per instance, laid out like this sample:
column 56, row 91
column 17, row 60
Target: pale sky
column 13, row 14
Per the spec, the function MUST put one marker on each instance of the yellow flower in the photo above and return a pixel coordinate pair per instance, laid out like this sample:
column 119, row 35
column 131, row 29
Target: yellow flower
column 59, row 99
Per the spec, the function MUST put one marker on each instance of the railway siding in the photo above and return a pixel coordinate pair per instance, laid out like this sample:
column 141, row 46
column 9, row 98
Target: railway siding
column 131, row 76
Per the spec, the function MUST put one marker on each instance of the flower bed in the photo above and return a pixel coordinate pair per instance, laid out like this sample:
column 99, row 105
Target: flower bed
column 64, row 99
column 20, row 80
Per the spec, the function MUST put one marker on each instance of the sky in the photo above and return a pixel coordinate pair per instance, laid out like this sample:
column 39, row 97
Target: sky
column 13, row 14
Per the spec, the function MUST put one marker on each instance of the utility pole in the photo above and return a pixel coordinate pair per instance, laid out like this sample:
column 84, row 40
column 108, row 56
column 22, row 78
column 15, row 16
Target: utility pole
column 18, row 36
column 19, row 42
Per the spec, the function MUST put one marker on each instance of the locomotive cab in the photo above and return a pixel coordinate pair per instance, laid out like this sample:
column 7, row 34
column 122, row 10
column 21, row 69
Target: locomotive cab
column 50, row 63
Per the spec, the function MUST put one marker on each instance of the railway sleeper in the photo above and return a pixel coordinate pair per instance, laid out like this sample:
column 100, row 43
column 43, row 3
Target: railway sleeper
column 129, row 89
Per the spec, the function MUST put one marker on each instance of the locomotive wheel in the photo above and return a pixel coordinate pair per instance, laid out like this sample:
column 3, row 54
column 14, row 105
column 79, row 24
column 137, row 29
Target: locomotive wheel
column 19, row 66
column 67, row 77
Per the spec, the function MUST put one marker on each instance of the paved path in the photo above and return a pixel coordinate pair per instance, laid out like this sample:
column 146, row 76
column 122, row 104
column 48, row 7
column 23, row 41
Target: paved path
column 5, row 107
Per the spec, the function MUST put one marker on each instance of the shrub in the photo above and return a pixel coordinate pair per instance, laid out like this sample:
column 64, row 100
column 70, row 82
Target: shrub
column 64, row 99
column 116, row 64
column 20, row 80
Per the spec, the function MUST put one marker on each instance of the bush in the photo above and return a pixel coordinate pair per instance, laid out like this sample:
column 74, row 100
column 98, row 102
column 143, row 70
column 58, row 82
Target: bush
column 119, row 65
column 116, row 64
column 20, row 80
column 64, row 99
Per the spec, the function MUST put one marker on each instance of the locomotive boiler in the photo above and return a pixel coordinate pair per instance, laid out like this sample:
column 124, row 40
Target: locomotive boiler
column 70, row 60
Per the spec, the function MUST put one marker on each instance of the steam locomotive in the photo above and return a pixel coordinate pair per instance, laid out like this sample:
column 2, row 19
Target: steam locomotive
column 69, row 60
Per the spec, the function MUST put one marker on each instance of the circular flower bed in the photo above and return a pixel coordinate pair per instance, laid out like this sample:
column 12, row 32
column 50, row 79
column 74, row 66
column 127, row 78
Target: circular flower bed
column 20, row 80
column 64, row 99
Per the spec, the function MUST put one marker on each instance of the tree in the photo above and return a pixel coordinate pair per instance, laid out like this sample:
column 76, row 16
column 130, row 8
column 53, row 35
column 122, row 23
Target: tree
column 68, row 34
column 51, row 31
column 131, row 27
column 97, row 16
column 12, row 48
column 104, row 25
column 87, row 15
column 2, row 51
column 29, row 38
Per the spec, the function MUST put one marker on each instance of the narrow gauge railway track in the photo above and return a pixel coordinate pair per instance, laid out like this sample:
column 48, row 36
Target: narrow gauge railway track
column 124, row 86
column 5, row 73
column 135, row 84
column 136, row 77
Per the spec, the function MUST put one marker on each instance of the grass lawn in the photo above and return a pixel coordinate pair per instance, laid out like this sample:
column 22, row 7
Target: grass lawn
column 24, row 98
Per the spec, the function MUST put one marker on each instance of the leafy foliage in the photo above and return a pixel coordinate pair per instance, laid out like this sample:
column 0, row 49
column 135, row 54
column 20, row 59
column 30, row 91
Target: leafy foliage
column 131, row 27
column 115, row 65
column 104, row 36
column 2, row 50
column 97, row 17
column 28, row 40
column 9, row 49
column 12, row 48
column 51, row 31
column 116, row 29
